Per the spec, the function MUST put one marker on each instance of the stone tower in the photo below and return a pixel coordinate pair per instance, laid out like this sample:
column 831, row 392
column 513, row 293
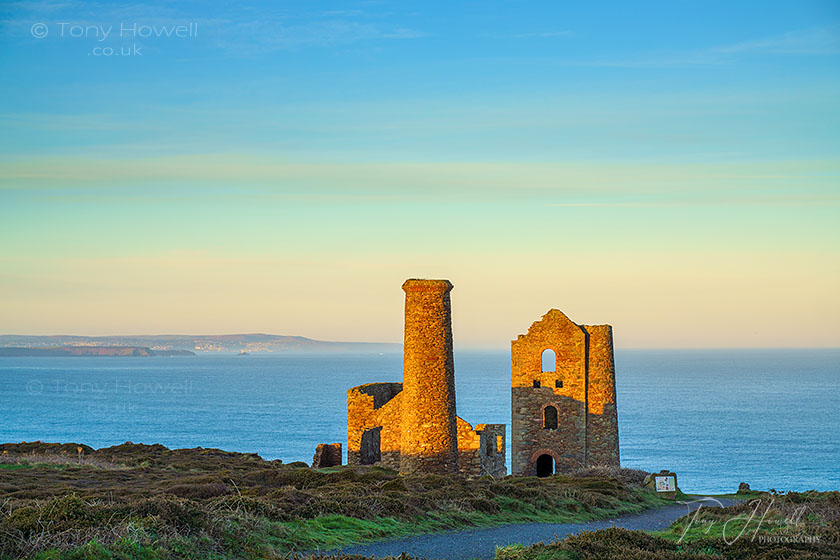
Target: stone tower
column 429, row 440
column 412, row 426
column 563, row 415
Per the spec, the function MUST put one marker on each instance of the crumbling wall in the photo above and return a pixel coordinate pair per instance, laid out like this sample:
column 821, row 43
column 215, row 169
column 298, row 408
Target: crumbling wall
column 469, row 446
column 493, row 449
column 583, row 370
column 374, row 410
column 481, row 451
column 327, row 455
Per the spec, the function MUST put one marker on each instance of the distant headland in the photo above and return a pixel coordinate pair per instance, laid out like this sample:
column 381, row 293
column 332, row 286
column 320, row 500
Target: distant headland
column 64, row 351
column 178, row 345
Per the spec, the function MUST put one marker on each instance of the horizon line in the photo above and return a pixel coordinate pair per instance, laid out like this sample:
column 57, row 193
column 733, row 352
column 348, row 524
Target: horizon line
column 470, row 348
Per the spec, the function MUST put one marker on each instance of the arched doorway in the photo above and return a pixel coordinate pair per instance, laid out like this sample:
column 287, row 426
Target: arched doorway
column 545, row 465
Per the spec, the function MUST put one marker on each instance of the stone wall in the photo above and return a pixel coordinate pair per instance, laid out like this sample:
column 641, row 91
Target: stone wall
column 602, row 416
column 412, row 426
column 469, row 449
column 481, row 451
column 493, row 449
column 327, row 455
column 365, row 417
column 580, row 388
column 476, row 457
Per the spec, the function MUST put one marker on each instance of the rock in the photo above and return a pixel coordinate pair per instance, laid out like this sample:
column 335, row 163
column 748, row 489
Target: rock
column 744, row 488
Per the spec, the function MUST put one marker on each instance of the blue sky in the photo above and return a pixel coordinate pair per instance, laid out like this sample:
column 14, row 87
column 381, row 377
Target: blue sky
column 645, row 165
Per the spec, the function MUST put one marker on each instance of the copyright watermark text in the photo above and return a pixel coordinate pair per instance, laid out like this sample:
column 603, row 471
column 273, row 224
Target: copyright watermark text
column 111, row 38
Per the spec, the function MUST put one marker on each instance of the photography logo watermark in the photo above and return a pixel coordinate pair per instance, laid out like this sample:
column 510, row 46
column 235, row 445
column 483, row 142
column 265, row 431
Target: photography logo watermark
column 749, row 525
column 115, row 35
column 103, row 389
column 117, row 396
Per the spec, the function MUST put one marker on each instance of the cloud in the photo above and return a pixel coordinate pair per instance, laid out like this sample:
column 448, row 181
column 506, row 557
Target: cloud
column 270, row 35
column 757, row 200
column 266, row 180
column 542, row 35
column 817, row 41
column 404, row 33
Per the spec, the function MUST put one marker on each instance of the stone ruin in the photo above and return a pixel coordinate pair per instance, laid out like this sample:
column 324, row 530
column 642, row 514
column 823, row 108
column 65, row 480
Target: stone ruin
column 412, row 426
column 563, row 417
column 327, row 455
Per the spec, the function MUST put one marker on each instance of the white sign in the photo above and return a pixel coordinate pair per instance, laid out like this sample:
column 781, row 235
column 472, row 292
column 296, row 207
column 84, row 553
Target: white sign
column 666, row 484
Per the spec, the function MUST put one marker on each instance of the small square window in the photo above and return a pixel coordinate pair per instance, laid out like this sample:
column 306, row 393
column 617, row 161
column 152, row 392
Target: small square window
column 536, row 384
column 558, row 384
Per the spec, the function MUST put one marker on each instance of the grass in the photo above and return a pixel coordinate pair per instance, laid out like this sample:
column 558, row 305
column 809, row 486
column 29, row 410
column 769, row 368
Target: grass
column 151, row 502
column 763, row 513
column 333, row 531
column 770, row 526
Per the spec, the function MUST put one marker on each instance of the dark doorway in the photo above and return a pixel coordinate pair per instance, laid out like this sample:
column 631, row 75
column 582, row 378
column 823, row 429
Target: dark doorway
column 369, row 452
column 545, row 465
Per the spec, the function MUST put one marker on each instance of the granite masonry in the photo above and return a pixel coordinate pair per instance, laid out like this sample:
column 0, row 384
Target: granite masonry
column 563, row 412
column 563, row 407
column 412, row 426
column 327, row 455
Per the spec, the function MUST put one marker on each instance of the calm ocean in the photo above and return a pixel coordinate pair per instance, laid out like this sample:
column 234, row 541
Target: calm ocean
column 715, row 417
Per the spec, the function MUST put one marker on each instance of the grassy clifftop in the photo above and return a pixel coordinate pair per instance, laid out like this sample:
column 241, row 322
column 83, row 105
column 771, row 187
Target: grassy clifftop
column 132, row 501
column 769, row 526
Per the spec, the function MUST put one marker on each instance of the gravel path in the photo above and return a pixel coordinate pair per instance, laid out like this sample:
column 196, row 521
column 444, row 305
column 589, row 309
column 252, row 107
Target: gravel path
column 482, row 543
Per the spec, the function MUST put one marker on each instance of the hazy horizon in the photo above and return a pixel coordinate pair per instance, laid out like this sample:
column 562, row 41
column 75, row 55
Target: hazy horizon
column 458, row 347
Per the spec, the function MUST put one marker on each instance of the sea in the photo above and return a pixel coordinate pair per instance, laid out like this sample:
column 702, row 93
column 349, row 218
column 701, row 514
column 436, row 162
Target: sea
column 770, row 418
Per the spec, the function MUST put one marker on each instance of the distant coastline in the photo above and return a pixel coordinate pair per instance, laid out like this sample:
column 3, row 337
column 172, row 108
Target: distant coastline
column 104, row 351
column 164, row 345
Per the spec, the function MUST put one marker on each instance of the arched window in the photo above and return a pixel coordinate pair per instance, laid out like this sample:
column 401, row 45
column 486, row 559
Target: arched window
column 550, row 418
column 549, row 360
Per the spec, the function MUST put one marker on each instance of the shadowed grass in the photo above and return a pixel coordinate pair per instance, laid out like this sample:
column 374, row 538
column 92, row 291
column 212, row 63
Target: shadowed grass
column 149, row 501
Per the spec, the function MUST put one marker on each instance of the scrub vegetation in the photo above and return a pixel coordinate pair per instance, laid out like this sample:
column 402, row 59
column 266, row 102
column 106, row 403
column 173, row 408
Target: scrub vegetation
column 147, row 501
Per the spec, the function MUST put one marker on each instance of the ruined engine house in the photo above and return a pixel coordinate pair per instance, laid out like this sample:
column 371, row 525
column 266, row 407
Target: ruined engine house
column 563, row 412
column 563, row 405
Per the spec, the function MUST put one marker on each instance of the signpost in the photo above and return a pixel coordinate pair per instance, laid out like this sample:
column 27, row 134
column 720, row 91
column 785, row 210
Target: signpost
column 664, row 483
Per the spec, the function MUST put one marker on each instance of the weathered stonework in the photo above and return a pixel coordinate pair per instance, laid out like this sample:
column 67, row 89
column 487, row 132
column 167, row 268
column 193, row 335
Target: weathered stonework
column 327, row 455
column 429, row 434
column 412, row 426
column 565, row 418
column 481, row 451
column 374, row 427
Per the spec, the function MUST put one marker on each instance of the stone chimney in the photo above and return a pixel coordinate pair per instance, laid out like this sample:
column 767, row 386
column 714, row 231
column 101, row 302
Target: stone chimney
column 429, row 431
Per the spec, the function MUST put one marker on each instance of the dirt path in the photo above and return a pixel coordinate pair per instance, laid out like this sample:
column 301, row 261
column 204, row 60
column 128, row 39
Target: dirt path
column 482, row 543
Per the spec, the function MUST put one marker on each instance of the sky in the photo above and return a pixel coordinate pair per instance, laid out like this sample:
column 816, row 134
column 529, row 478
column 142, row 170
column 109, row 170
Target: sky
column 669, row 168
